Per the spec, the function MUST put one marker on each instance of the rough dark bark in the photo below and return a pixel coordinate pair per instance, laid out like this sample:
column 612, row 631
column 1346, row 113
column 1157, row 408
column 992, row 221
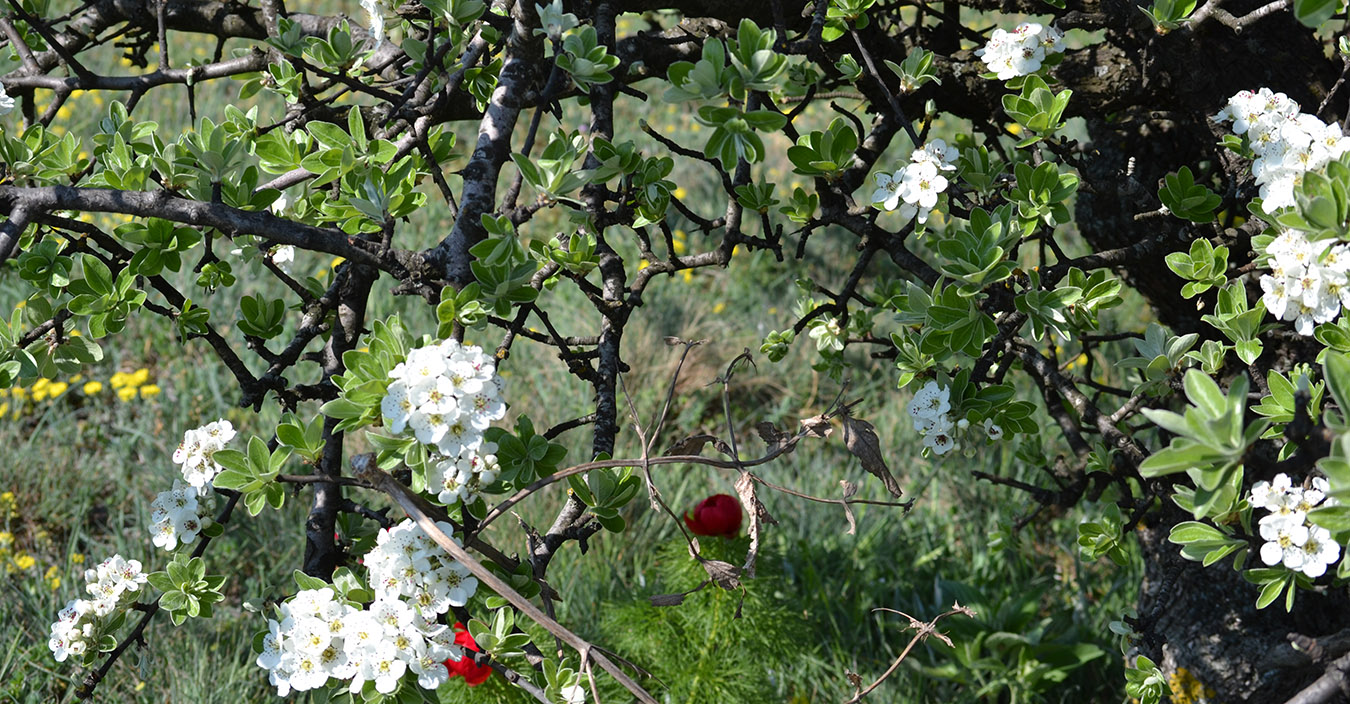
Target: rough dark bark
column 1205, row 620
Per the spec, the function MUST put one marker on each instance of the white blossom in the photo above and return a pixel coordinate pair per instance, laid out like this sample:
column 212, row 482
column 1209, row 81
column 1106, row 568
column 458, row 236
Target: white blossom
column 175, row 517
column 320, row 637
column 196, row 453
column 447, row 394
column 80, row 623
column 1319, row 551
column 1285, row 538
column 1291, row 540
column 915, row 187
column 1021, row 51
column 1286, row 141
column 929, row 412
column 406, row 563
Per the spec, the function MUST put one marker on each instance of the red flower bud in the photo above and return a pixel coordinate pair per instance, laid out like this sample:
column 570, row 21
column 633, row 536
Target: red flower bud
column 473, row 673
column 719, row 514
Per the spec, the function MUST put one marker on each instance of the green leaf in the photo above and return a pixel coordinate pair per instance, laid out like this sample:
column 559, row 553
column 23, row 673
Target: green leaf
column 306, row 582
column 1269, row 593
column 1336, row 368
column 1312, row 13
column 1195, row 532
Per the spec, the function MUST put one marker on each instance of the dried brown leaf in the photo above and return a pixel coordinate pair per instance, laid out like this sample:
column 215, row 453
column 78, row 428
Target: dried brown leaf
column 667, row 599
column 817, row 427
column 745, row 489
column 724, row 574
column 849, row 490
column 861, row 439
column 676, row 599
column 777, row 440
column 691, row 445
column 724, row 448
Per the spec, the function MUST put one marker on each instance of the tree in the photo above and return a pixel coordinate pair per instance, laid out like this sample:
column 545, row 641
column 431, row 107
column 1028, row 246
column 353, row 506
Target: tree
column 980, row 264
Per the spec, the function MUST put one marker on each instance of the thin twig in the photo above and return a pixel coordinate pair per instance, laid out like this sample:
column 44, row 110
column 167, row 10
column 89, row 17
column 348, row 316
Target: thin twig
column 924, row 630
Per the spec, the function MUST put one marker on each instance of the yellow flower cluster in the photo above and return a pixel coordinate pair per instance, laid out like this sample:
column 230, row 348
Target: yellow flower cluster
column 13, row 559
column 128, row 386
column 1186, row 689
column 19, row 562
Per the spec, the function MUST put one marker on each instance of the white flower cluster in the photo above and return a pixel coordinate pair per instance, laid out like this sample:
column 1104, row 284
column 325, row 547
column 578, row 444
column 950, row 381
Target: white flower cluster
column 915, row 187
column 320, row 637
column 1290, row 539
column 1308, row 281
column 6, row 102
column 1287, row 142
column 175, row 517
column 76, row 625
column 448, row 394
column 405, row 563
column 463, row 477
column 196, row 453
column 1021, row 51
column 929, row 410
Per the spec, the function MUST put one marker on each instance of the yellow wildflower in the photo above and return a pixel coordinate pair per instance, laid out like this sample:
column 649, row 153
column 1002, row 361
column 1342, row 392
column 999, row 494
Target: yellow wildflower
column 92, row 387
column 687, row 275
column 25, row 562
column 126, row 393
column 6, row 539
column 77, row 558
column 719, row 307
column 680, row 193
column 149, row 390
column 57, row 388
column 138, row 377
column 119, row 379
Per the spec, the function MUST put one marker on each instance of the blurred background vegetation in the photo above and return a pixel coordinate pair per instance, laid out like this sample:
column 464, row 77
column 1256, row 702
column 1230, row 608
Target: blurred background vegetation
column 84, row 457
